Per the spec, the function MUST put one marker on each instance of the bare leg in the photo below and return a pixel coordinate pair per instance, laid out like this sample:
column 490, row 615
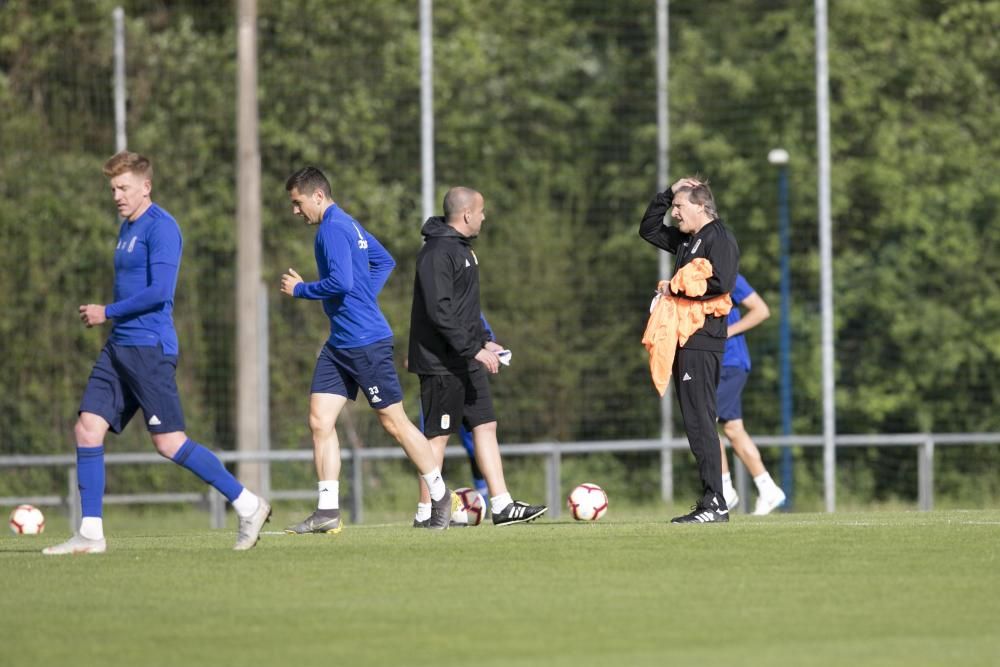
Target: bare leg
column 323, row 412
column 725, row 459
column 488, row 457
column 90, row 430
column 416, row 446
column 744, row 447
column 168, row 444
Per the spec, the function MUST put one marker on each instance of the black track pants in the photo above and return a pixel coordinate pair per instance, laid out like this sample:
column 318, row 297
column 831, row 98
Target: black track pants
column 696, row 376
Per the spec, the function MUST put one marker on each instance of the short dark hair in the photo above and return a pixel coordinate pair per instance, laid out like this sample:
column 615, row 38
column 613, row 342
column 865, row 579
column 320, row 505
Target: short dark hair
column 126, row 161
column 457, row 200
column 701, row 194
column 307, row 180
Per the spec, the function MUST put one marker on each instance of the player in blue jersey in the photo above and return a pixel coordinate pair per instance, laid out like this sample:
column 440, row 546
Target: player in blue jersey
column 137, row 365
column 353, row 266
column 735, row 369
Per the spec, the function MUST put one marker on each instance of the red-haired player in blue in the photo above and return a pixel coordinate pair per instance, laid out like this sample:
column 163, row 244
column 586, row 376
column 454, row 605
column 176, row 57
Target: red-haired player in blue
column 137, row 365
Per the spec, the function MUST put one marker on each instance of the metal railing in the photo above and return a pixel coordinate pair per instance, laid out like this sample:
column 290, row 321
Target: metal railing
column 925, row 444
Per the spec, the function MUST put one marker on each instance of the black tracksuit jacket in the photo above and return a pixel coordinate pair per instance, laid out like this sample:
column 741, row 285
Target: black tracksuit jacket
column 446, row 331
column 697, row 364
column 715, row 243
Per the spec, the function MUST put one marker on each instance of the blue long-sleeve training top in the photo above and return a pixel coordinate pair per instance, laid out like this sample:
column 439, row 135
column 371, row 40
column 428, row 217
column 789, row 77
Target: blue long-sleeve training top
column 147, row 260
column 353, row 266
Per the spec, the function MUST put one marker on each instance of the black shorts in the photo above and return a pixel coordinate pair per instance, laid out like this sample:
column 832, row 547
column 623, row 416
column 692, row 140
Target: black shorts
column 451, row 400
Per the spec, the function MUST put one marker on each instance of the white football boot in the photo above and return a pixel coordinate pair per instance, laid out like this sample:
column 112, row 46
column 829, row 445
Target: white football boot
column 78, row 544
column 768, row 501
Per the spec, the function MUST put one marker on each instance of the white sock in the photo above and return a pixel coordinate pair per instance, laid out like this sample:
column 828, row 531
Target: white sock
column 329, row 495
column 498, row 503
column 727, row 479
column 763, row 482
column 435, row 483
column 92, row 527
column 423, row 512
column 246, row 503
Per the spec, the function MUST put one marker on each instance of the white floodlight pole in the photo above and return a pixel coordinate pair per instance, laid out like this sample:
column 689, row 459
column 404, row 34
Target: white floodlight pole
column 427, row 106
column 121, row 140
column 826, row 257
column 662, row 183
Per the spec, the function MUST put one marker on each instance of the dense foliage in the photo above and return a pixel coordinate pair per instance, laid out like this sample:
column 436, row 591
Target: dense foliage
column 548, row 108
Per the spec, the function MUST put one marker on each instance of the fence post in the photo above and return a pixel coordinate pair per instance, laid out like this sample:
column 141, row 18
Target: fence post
column 666, row 472
column 73, row 500
column 553, row 481
column 925, row 475
column 216, row 510
column 357, row 486
column 741, row 480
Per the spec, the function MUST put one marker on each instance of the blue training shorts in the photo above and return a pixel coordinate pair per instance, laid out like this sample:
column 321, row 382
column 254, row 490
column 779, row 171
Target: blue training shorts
column 729, row 395
column 341, row 371
column 126, row 378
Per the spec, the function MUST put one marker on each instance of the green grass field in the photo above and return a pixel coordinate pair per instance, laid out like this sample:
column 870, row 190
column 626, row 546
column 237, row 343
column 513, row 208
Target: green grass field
column 885, row 588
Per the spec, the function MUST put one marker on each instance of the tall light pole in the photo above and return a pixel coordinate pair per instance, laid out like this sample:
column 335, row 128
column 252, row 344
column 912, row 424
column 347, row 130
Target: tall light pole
column 779, row 158
column 427, row 107
column 826, row 258
column 121, row 139
column 662, row 183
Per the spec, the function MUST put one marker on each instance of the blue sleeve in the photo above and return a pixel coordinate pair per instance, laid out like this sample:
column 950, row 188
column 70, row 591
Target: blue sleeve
column 741, row 290
column 164, row 256
column 380, row 263
column 335, row 252
column 490, row 336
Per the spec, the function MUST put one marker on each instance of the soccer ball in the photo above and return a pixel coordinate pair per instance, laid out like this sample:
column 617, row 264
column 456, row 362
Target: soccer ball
column 587, row 502
column 471, row 508
column 27, row 520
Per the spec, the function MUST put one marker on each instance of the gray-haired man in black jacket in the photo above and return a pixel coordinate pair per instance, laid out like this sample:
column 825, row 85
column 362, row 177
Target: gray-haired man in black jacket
column 699, row 233
column 451, row 352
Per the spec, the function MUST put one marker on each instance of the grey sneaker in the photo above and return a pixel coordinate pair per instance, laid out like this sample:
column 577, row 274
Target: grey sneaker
column 78, row 544
column 250, row 526
column 318, row 523
column 441, row 510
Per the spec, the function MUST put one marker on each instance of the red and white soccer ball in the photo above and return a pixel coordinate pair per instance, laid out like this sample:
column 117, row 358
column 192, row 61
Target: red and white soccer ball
column 471, row 508
column 587, row 502
column 27, row 520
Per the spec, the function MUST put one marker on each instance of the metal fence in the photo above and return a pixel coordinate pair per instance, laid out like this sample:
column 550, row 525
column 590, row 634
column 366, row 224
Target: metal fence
column 552, row 452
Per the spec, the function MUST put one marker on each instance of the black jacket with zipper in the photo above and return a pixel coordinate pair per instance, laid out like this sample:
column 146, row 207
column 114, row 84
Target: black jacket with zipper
column 715, row 243
column 446, row 331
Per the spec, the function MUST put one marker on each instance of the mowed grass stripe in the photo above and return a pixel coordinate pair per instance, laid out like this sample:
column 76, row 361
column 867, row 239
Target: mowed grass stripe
column 859, row 589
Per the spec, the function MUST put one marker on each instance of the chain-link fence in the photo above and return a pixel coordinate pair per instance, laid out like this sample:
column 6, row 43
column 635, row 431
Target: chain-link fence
column 549, row 109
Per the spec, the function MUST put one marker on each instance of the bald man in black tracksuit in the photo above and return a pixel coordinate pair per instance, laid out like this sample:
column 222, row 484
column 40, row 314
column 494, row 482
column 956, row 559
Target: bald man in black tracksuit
column 451, row 352
column 699, row 233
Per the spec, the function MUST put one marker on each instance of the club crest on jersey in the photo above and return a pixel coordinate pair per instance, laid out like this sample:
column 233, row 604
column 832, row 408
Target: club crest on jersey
column 126, row 246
